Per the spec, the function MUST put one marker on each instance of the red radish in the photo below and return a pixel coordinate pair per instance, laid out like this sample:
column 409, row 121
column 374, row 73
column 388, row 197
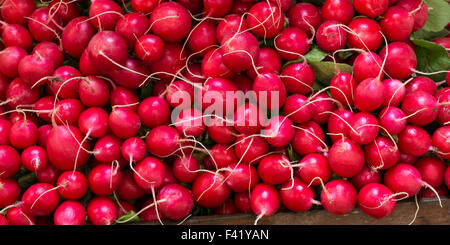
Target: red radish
column 48, row 175
column 401, row 60
column 104, row 14
column 4, row 82
column 65, row 9
column 153, row 111
column 149, row 173
column 50, row 50
column 170, row 21
column 269, row 61
column 70, row 213
column 414, row 141
column 209, row 190
column 107, row 148
column 5, row 129
column 394, row 92
column 330, row 36
column 73, row 185
column 371, row 8
column 376, row 200
column 338, row 197
column 409, row 159
column 366, row 34
column 313, row 167
column 16, row 11
column 185, row 169
column 34, row 158
column 397, row 24
column 264, row 200
column 275, row 169
column 16, row 35
column 279, row 131
column 190, row 122
column 339, row 10
column 242, row 177
column 297, row 109
column 134, row 149
column 20, row 216
column 405, row 178
column 10, row 58
column 270, row 91
column 220, row 132
column 240, row 7
column 149, row 48
column 226, row 208
column 342, row 88
column 283, row 4
column 346, row 158
column 298, row 78
column 133, row 76
column 180, row 94
column 93, row 122
column 382, row 153
column 41, row 199
column 86, row 64
column 128, row 189
column 392, row 119
column 421, row 83
column 132, row 26
column 240, row 51
column 202, row 37
column 144, row 6
column 305, row 16
column 420, row 107
column 64, row 148
column 364, row 128
column 432, row 170
column 150, row 213
column 23, row 134
column 93, row 91
column 440, row 141
column 107, row 49
column 23, row 116
column 34, row 67
column 123, row 97
column 101, row 211
column 265, row 19
column 297, row 196
column 43, row 26
column 229, row 26
column 3, row 220
column 367, row 65
column 222, row 156
column 447, row 177
column 104, row 179
column 418, row 9
column 321, row 104
column 173, row 61
column 213, row 66
column 428, row 193
column 309, row 138
column 217, row 8
column 338, row 124
column 64, row 82
column 83, row 30
column 250, row 149
column 291, row 42
column 68, row 111
column 124, row 123
column 179, row 201
column 365, row 177
column 242, row 202
column 10, row 191
column 249, row 119
column 163, row 141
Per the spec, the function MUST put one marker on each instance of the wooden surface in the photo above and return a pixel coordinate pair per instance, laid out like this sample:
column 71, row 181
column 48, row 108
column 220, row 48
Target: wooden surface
column 430, row 213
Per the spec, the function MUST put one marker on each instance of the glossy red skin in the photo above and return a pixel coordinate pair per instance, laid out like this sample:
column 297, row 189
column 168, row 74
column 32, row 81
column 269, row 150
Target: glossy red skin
column 279, row 131
column 223, row 156
column 111, row 45
column 312, row 166
column 292, row 41
column 371, row 8
column 346, row 158
column 94, row 92
column 184, row 169
column 428, row 193
column 180, row 94
column 86, row 64
column 81, row 29
column 131, row 80
column 151, row 173
column 44, row 33
column 229, row 26
column 249, row 119
column 131, row 27
column 232, row 49
column 27, row 116
column 274, row 169
column 46, row 202
column 447, row 177
column 330, row 37
column 421, row 83
column 420, row 100
column 153, row 111
column 58, row 82
column 259, row 13
column 432, row 170
column 23, row 134
column 123, row 96
column 20, row 216
column 117, row 119
column 302, row 14
column 133, row 149
column 102, row 211
column 48, row 175
column 240, row 7
column 440, row 140
column 369, row 94
column 443, row 41
column 202, row 37
column 296, row 109
column 107, row 148
column 3, row 220
column 392, row 119
column 128, row 189
column 4, row 82
column 16, row 35
column 51, row 50
column 296, row 196
column 194, row 74
column 397, row 24
column 371, row 196
column 409, row 159
column 322, row 104
column 250, row 153
column 213, row 66
column 68, row 111
column 368, row 34
column 149, row 48
column 220, row 132
column 34, row 67
column 302, row 72
column 414, row 140
column 66, row 12
column 73, row 185
column 394, row 92
column 382, row 153
column 217, row 8
column 365, row 177
column 307, row 140
column 104, row 21
column 269, row 61
column 9, row 61
column 420, row 16
column 242, row 178
column 10, row 191
column 283, row 4
column 339, row 10
column 104, row 179
column 5, row 129
column 343, row 197
column 190, row 122
column 264, row 200
column 172, row 61
column 242, row 202
column 270, row 85
column 404, row 178
column 215, row 191
column 401, row 60
column 337, row 125
column 94, row 121
column 226, row 209
column 70, row 213
column 34, row 158
column 144, row 6
column 171, row 29
column 344, row 89
column 15, row 11
column 367, row 65
column 162, row 141
column 179, row 204
column 366, row 134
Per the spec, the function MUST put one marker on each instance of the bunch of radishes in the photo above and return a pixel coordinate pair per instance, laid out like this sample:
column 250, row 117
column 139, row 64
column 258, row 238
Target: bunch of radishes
column 104, row 108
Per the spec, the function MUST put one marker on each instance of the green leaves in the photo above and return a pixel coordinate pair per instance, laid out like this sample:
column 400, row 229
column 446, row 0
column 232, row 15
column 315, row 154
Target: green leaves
column 438, row 15
column 315, row 55
column 429, row 35
column 431, row 58
column 326, row 70
column 128, row 216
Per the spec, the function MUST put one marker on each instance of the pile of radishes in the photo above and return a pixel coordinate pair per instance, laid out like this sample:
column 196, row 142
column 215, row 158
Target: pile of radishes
column 104, row 108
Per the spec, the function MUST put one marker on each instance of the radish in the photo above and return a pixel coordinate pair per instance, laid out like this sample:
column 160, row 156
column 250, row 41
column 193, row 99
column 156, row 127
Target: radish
column 291, row 43
column 394, row 92
column 222, row 156
column 305, row 16
column 70, row 213
column 240, row 7
column 107, row 50
column 240, row 51
column 440, row 142
column 342, row 88
column 149, row 48
column 64, row 82
column 41, row 199
column 242, row 202
column 297, row 109
column 180, row 94
column 392, row 119
column 229, row 26
column 371, row 8
column 369, row 94
column 209, row 190
column 93, row 122
column 298, row 78
column 414, row 140
column 418, row 9
column 283, row 4
column 10, row 58
column 250, row 149
column 132, row 26
column 364, row 128
column 421, row 83
column 382, row 153
column 321, row 104
column 134, row 149
column 86, row 64
column 376, row 200
column 104, row 14
column 420, row 107
column 48, row 175
column 279, row 131
column 330, row 36
column 122, row 97
column 132, row 76
column 338, row 197
column 309, row 138
column 149, row 173
column 20, row 216
column 269, row 61
column 44, row 27
column 34, row 158
column 101, row 211
column 338, row 10
column 427, row 193
column 107, row 148
column 270, row 91
column 16, row 11
column 23, row 134
column 264, row 200
column 346, row 158
column 297, row 196
column 3, row 220
column 227, row 208
column 249, row 119
column 338, row 124
column 170, row 21
column 447, row 177
column 149, row 214
column 163, row 141
column 16, row 35
column 213, row 66
column 179, row 201
column 314, row 168
column 275, row 169
column 83, row 30
column 128, row 189
column 64, row 9
column 202, row 37
column 397, row 24
column 10, row 191
column 104, row 179
column 220, row 132
column 216, row 8
column 365, row 177
column 432, row 170
column 365, row 34
column 406, row 158
column 153, row 111
column 265, row 19
column 401, row 61
column 367, row 65
column 124, row 123
column 242, row 177
column 68, row 111
column 190, row 122
column 73, row 185
column 93, row 92
column 173, row 61
column 51, row 50
column 5, row 129
column 34, row 67
column 185, row 169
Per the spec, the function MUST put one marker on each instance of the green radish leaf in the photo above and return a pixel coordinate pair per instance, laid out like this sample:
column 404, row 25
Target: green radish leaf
column 438, row 15
column 431, row 57
column 429, row 35
column 325, row 70
column 128, row 216
column 315, row 55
